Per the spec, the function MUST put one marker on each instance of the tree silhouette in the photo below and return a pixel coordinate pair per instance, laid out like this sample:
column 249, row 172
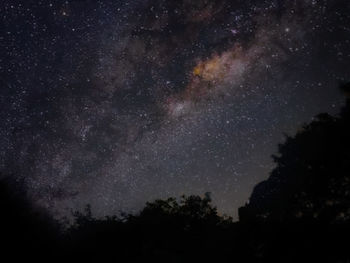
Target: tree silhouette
column 165, row 230
column 26, row 231
column 301, row 213
column 312, row 177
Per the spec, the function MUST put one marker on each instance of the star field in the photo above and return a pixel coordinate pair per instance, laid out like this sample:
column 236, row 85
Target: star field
column 115, row 103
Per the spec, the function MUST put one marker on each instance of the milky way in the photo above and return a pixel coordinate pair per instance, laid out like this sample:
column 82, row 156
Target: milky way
column 115, row 103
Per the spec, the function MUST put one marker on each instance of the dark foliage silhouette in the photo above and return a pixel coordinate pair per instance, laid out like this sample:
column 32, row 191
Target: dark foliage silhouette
column 165, row 230
column 312, row 177
column 301, row 213
column 305, row 203
column 26, row 231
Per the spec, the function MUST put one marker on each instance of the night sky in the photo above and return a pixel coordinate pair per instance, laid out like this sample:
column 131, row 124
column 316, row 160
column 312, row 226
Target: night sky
column 115, row 103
